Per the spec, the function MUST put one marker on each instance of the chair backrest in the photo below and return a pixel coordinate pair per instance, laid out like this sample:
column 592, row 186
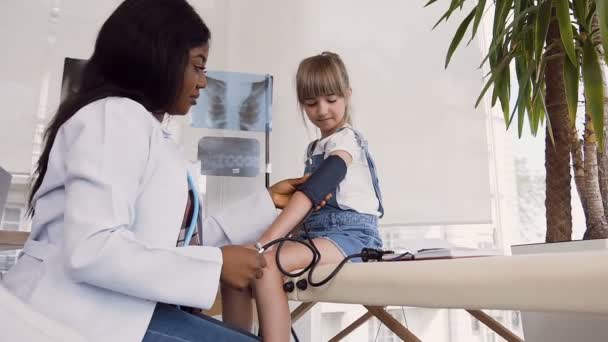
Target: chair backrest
column 19, row 322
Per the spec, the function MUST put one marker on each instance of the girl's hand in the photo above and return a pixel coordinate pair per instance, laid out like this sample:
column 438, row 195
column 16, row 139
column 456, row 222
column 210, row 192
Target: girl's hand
column 241, row 265
column 282, row 191
column 323, row 202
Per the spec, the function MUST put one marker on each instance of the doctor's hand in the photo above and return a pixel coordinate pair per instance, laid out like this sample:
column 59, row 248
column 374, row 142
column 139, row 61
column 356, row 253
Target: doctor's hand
column 282, row 191
column 241, row 265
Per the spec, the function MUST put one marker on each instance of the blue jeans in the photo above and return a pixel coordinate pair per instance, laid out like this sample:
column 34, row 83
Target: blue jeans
column 169, row 324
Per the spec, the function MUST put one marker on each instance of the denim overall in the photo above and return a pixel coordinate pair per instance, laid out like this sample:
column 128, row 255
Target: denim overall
column 349, row 230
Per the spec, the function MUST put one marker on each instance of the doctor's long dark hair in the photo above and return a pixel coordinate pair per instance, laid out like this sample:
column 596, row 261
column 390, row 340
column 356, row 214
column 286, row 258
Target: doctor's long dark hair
column 140, row 53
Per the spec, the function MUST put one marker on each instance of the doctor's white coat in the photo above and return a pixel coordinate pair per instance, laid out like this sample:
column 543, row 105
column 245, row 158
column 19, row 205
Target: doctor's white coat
column 108, row 213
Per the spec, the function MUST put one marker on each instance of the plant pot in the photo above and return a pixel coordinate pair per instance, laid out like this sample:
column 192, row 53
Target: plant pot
column 558, row 327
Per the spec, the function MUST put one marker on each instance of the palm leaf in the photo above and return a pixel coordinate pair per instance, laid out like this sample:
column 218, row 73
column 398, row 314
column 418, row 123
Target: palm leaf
column 481, row 6
column 458, row 36
column 562, row 10
column 594, row 90
column 580, row 12
column 453, row 6
column 505, row 91
column 537, row 115
column 542, row 113
column 498, row 41
column 524, row 73
column 495, row 72
column 571, row 81
column 542, row 28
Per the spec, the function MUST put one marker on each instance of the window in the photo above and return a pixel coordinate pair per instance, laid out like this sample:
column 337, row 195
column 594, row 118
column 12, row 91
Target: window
column 475, row 325
column 515, row 319
column 331, row 324
column 485, row 245
column 378, row 332
column 391, row 237
column 7, row 260
column 11, row 220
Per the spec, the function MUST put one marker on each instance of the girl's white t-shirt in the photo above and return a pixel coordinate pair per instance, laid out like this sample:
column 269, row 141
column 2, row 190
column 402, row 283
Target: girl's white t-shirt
column 356, row 191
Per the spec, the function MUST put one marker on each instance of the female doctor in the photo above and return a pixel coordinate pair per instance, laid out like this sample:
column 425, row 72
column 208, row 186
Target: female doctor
column 112, row 194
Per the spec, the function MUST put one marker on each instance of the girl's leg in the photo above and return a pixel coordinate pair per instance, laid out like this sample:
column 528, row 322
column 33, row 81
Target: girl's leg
column 237, row 307
column 169, row 324
column 273, row 310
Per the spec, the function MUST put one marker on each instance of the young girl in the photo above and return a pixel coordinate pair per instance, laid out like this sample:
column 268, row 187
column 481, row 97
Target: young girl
column 339, row 162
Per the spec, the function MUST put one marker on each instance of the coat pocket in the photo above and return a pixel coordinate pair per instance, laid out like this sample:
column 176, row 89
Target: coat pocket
column 25, row 275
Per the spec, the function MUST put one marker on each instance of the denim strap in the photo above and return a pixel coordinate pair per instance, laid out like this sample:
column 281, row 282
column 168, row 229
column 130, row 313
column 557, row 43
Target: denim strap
column 372, row 166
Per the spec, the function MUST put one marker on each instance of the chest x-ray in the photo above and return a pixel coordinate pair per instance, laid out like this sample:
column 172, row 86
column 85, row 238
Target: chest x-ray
column 234, row 101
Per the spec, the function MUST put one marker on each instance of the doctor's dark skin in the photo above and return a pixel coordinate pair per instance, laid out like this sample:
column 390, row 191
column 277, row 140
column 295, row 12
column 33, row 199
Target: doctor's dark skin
column 195, row 79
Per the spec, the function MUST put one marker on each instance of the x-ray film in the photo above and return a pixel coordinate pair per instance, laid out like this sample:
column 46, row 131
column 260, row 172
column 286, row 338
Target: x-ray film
column 227, row 156
column 234, row 101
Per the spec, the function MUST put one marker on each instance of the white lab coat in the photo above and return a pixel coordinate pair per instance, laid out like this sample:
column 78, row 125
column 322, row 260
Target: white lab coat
column 102, row 248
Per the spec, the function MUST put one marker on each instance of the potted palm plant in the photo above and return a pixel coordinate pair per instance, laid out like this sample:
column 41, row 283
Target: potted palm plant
column 551, row 48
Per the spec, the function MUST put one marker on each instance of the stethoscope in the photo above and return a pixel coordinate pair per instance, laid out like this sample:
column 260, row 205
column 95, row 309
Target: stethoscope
column 303, row 284
column 195, row 211
column 366, row 254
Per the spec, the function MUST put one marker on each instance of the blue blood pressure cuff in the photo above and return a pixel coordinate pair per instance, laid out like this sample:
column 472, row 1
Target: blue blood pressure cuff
column 324, row 180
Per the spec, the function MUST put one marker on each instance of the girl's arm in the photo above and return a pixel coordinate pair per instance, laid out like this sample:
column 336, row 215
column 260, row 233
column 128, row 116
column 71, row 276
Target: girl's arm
column 296, row 210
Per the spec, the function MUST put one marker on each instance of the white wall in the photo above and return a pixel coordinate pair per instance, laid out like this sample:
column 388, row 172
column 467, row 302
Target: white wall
column 35, row 36
column 20, row 74
column 429, row 142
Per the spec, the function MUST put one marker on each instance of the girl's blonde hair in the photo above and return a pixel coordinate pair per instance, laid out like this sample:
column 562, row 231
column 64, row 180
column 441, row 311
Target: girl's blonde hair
column 323, row 75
